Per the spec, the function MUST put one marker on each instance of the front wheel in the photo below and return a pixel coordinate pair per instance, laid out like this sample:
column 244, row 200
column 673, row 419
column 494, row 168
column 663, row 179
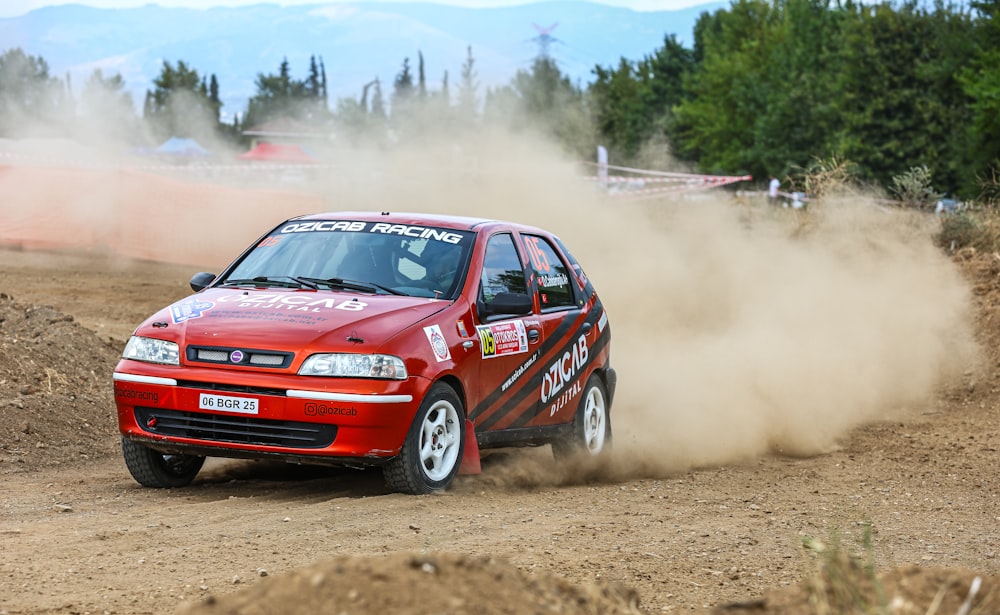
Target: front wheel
column 159, row 470
column 591, row 435
column 432, row 451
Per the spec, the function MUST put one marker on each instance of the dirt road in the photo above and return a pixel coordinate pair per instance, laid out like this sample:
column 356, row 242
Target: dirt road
column 78, row 535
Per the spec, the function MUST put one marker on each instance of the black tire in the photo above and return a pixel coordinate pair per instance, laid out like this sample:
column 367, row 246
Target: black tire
column 159, row 470
column 432, row 453
column 591, row 435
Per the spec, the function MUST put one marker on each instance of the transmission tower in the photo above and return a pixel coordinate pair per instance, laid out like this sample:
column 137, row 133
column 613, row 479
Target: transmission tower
column 544, row 40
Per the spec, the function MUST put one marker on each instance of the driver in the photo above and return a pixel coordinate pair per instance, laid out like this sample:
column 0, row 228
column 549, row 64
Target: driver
column 441, row 260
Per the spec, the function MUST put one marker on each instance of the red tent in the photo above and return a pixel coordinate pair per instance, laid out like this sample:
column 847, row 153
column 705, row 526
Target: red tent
column 276, row 152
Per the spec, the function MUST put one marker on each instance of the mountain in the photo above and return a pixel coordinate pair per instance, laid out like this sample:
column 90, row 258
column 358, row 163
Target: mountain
column 357, row 42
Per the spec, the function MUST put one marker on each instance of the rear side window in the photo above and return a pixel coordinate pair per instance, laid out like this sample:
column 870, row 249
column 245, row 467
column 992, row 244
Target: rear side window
column 502, row 269
column 552, row 278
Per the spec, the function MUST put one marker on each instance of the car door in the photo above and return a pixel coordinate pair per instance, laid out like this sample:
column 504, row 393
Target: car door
column 563, row 315
column 509, row 334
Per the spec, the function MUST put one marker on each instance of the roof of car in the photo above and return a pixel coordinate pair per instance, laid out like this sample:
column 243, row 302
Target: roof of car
column 465, row 223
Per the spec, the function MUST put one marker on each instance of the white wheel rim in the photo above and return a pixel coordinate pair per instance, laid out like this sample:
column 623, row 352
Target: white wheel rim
column 440, row 439
column 595, row 421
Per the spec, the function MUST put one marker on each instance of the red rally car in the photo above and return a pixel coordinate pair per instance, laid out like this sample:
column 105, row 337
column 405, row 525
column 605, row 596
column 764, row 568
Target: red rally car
column 402, row 340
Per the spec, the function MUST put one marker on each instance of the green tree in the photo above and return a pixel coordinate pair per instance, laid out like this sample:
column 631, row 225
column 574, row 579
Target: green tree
column 358, row 120
column 779, row 83
column 180, row 103
column 421, row 77
column 726, row 93
column 402, row 88
column 106, row 109
column 884, row 130
column 467, row 89
column 31, row 101
column 633, row 103
column 378, row 102
column 279, row 96
column 800, row 97
column 544, row 99
column 980, row 81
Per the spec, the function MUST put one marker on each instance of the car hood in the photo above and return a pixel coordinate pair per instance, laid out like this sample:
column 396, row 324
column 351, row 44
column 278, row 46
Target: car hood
column 289, row 319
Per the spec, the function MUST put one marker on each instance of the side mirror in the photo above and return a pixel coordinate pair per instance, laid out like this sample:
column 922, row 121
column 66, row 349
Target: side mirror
column 509, row 304
column 201, row 280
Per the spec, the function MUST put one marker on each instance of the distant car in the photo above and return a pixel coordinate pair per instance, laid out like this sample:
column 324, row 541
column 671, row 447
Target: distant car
column 401, row 340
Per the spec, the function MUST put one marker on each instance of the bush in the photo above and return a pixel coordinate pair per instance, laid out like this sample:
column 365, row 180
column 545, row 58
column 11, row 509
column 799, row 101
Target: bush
column 973, row 227
column 914, row 189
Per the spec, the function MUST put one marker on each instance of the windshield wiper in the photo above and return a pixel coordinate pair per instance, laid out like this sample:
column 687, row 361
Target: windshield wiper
column 288, row 281
column 365, row 287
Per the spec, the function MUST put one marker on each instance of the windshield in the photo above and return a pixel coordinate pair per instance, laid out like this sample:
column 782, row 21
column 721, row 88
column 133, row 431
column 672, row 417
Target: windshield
column 372, row 257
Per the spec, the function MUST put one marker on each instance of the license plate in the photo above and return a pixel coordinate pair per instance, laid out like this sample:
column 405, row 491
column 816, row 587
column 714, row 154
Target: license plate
column 243, row 405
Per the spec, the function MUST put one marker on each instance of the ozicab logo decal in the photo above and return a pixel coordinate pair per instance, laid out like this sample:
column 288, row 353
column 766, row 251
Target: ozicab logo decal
column 565, row 369
column 323, row 225
column 298, row 303
column 405, row 230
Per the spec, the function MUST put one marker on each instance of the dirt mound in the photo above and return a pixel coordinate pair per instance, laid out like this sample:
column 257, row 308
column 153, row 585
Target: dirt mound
column 412, row 584
column 55, row 389
column 982, row 271
column 910, row 590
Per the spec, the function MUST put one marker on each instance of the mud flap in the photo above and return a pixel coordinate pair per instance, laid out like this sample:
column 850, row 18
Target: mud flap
column 470, row 456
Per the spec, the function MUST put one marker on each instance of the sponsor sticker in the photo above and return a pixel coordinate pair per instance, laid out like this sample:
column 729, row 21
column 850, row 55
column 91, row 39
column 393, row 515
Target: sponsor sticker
column 188, row 309
column 503, row 338
column 558, row 279
column 403, row 230
column 291, row 302
column 461, row 328
column 438, row 344
column 519, row 372
column 322, row 409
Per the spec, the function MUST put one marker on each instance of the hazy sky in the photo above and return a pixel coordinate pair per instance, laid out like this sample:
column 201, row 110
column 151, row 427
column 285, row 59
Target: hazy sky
column 12, row 8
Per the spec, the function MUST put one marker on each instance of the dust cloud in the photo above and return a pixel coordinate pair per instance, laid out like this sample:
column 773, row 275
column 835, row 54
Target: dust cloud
column 738, row 329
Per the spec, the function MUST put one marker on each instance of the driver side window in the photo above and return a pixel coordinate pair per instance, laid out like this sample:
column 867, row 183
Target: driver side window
column 502, row 269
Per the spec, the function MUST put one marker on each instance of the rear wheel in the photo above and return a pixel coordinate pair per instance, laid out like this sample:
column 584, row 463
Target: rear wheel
column 591, row 435
column 159, row 470
column 432, row 452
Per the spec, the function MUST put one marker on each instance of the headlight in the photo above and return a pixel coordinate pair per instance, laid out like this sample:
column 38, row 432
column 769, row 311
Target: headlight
column 152, row 350
column 354, row 366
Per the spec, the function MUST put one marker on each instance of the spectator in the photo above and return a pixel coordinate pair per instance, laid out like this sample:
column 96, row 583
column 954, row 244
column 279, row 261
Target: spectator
column 772, row 189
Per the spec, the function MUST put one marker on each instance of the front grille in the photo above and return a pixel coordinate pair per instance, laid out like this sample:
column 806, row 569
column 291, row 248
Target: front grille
column 235, row 429
column 239, row 356
column 232, row 388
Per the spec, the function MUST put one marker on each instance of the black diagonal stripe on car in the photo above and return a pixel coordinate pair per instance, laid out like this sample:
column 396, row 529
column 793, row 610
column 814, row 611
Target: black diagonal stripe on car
column 518, row 392
column 593, row 351
column 533, row 385
column 599, row 345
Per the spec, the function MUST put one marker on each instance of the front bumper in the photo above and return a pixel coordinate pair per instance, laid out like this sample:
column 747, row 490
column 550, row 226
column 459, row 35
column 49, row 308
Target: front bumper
column 327, row 420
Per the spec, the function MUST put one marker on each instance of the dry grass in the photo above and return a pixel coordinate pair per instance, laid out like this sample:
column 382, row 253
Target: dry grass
column 976, row 226
column 842, row 582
